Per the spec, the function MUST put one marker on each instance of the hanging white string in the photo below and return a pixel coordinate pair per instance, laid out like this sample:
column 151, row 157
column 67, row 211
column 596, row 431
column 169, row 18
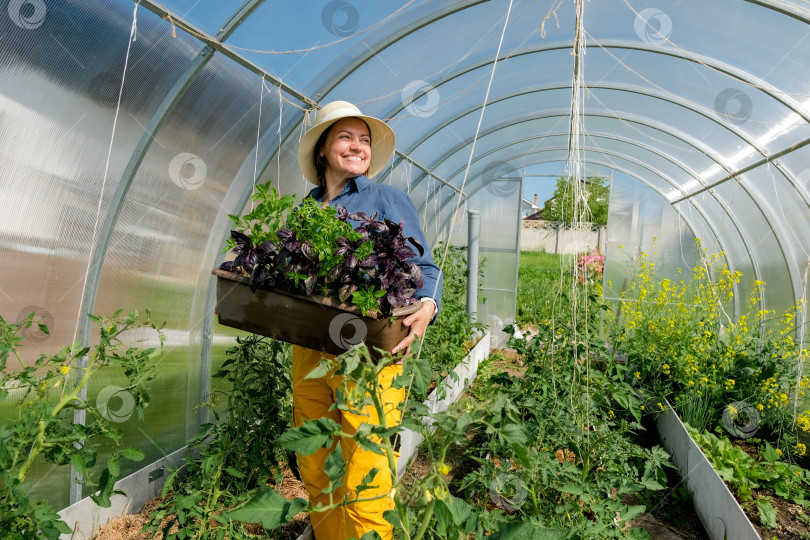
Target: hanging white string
column 305, row 123
column 278, row 154
column 576, row 171
column 461, row 191
column 133, row 34
column 258, row 135
column 469, row 160
column 800, row 368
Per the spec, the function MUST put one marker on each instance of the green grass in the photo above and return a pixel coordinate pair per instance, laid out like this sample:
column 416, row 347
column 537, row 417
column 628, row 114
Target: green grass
column 542, row 280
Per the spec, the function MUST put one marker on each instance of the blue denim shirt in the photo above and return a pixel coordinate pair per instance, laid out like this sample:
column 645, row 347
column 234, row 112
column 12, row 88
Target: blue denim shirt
column 362, row 195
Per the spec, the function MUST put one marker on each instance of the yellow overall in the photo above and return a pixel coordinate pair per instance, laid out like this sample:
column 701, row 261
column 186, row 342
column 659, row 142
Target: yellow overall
column 312, row 399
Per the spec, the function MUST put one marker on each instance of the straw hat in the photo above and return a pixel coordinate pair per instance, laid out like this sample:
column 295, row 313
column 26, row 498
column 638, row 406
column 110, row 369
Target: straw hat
column 382, row 138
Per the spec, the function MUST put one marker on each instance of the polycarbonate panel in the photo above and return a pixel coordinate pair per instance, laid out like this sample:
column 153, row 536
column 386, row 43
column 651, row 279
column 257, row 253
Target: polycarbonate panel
column 415, row 59
column 768, row 185
column 753, row 37
column 767, row 244
column 706, row 221
column 797, row 163
column 60, row 76
column 160, row 256
column 639, row 219
column 758, row 115
column 458, row 102
column 723, row 138
column 696, row 153
column 308, row 47
column 208, row 17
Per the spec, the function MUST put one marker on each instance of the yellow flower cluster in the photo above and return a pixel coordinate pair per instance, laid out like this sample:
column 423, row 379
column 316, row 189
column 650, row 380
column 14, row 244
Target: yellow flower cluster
column 691, row 325
column 775, row 398
column 803, row 421
column 800, row 449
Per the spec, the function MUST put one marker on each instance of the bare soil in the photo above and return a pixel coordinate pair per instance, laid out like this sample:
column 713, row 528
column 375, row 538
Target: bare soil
column 792, row 521
column 129, row 527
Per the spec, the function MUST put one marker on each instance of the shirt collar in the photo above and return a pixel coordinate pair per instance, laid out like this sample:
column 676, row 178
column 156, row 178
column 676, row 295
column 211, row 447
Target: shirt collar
column 356, row 184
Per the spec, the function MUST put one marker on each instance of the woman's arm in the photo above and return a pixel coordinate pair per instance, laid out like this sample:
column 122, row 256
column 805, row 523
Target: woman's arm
column 401, row 208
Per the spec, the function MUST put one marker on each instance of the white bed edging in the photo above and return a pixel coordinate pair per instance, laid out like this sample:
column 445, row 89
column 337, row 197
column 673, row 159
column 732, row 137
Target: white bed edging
column 714, row 503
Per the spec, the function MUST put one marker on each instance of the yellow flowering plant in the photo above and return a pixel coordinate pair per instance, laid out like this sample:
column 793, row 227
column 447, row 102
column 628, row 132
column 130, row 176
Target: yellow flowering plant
column 683, row 341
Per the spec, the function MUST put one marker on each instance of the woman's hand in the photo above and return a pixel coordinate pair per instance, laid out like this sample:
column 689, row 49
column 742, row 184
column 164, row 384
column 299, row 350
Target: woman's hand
column 417, row 322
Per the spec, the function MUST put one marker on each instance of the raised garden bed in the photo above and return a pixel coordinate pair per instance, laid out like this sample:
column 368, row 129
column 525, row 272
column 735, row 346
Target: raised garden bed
column 721, row 515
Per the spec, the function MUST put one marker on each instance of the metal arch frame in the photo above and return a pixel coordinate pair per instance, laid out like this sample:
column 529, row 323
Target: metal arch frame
column 687, row 219
column 333, row 79
column 785, row 8
column 619, row 88
column 722, row 67
column 659, row 174
column 99, row 252
column 719, row 66
column 722, row 204
column 766, row 210
column 338, row 76
column 600, row 86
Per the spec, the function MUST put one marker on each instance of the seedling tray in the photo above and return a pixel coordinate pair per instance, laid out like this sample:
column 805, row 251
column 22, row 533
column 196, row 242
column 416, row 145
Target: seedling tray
column 316, row 322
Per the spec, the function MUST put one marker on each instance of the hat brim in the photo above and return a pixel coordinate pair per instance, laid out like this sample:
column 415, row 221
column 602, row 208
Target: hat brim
column 383, row 142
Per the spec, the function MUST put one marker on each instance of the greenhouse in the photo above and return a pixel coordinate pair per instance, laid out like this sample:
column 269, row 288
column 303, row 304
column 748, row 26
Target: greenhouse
column 620, row 357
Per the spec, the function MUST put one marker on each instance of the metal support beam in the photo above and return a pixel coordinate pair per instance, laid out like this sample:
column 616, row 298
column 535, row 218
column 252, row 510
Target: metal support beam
column 99, row 253
column 216, row 43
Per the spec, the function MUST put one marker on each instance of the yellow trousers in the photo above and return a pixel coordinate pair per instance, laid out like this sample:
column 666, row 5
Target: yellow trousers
column 312, row 399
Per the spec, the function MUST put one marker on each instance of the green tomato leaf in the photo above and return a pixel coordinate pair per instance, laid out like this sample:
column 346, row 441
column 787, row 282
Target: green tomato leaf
column 311, row 436
column 133, row 454
column 335, row 468
column 633, row 512
column 268, row 508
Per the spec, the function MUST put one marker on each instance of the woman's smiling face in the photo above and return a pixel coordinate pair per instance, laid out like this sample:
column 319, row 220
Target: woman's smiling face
column 347, row 149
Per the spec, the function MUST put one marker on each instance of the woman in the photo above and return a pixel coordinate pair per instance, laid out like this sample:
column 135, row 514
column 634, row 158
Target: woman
column 342, row 150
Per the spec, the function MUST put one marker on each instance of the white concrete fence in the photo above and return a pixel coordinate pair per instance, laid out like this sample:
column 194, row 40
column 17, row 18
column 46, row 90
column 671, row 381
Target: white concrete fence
column 552, row 237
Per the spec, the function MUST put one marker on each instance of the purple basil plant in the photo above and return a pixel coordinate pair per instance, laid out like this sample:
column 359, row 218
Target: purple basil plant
column 292, row 265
